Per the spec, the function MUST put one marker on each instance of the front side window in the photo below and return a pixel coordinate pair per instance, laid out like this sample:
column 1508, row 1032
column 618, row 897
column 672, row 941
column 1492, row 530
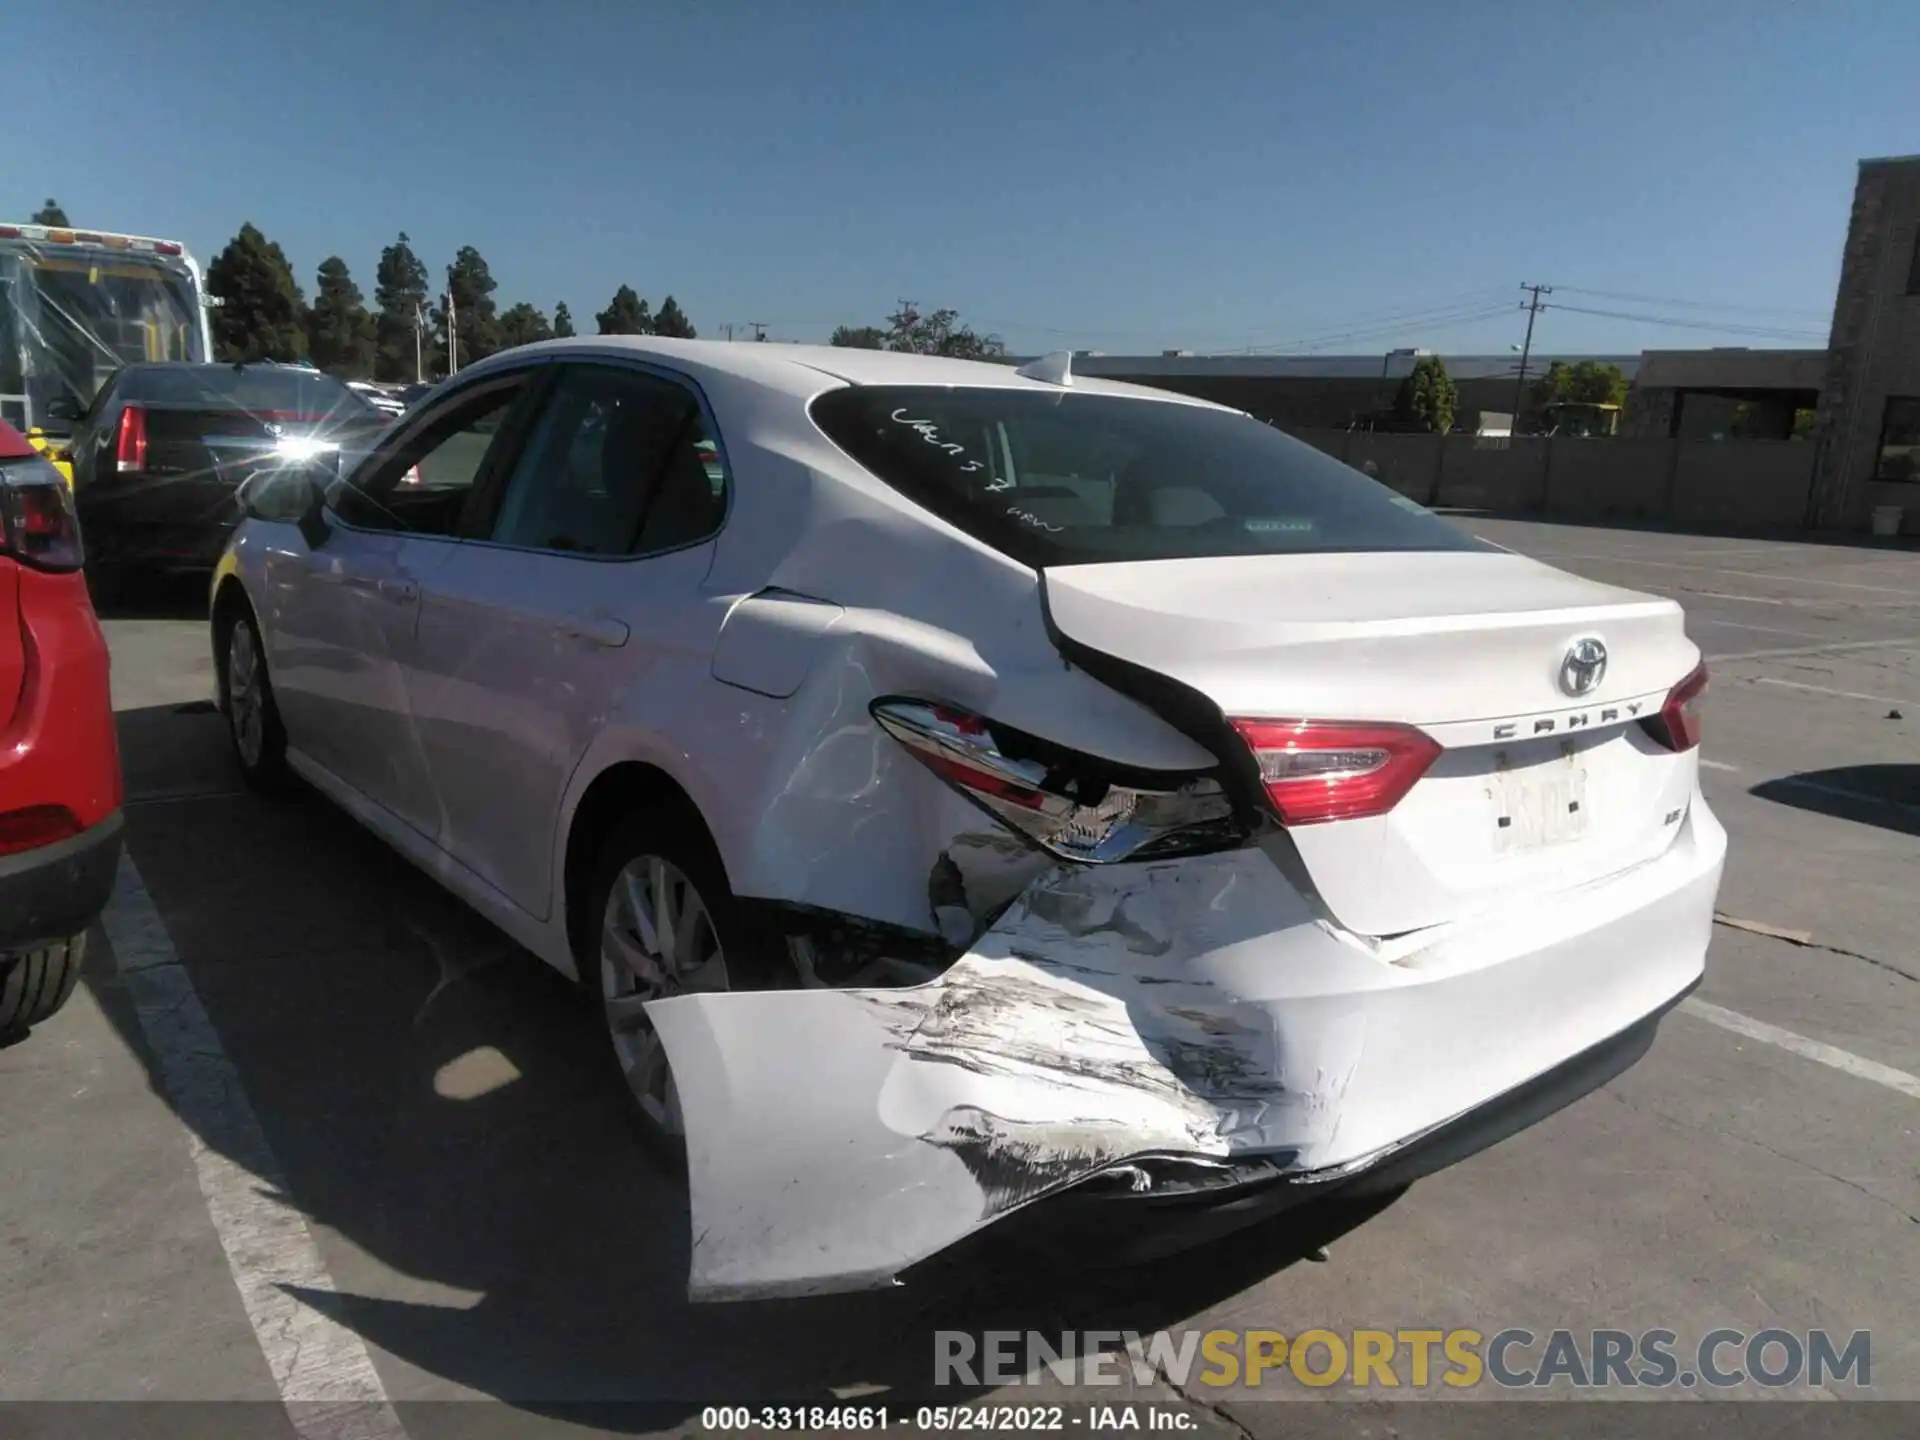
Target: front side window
column 619, row 463
column 1900, row 440
column 1068, row 479
column 422, row 484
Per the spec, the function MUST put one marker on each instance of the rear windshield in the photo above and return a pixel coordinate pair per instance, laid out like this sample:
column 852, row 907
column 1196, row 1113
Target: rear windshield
column 1073, row 479
column 259, row 390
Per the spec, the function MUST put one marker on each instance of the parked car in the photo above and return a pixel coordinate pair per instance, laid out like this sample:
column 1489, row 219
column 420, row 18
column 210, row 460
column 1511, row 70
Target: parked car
column 958, row 788
column 60, row 787
column 161, row 454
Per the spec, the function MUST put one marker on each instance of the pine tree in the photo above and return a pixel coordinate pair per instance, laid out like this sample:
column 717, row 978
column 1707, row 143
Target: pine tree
column 523, row 324
column 562, row 322
column 399, row 289
column 340, row 332
column 51, row 214
column 672, row 320
column 626, row 314
column 471, row 285
column 262, row 315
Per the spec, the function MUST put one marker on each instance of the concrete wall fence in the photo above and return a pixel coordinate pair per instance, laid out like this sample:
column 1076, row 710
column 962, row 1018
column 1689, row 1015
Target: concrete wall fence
column 1715, row 484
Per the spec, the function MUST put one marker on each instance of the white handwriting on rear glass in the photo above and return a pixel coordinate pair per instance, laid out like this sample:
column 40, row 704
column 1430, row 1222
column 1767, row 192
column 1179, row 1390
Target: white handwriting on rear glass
column 930, row 432
column 1032, row 519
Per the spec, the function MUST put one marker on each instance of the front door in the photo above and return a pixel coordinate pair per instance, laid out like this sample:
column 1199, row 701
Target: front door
column 586, row 585
column 342, row 608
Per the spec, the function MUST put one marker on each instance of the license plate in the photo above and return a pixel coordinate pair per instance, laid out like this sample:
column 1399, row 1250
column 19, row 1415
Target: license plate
column 1538, row 807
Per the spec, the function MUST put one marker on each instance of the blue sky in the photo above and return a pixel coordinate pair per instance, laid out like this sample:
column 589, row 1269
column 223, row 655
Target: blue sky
column 1117, row 174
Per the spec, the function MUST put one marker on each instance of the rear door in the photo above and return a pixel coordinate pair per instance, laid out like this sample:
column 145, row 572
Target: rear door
column 586, row 585
column 341, row 614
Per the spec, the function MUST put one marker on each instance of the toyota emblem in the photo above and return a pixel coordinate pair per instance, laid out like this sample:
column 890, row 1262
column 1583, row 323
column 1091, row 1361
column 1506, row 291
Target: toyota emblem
column 1585, row 666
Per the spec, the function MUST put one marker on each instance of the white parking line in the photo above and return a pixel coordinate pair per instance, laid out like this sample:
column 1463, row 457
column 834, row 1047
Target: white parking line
column 1855, row 1065
column 1748, row 574
column 1901, row 642
column 325, row 1377
column 1829, row 690
column 1706, row 764
column 1840, row 792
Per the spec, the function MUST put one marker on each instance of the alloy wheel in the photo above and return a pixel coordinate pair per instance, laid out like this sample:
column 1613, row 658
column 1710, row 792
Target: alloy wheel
column 246, row 695
column 656, row 939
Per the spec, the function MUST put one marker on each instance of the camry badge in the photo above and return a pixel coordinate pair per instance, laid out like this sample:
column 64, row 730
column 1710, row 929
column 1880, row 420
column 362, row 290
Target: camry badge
column 1585, row 666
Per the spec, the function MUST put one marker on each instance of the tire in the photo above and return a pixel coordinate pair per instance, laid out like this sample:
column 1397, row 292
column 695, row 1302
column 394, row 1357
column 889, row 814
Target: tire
column 37, row 983
column 722, row 952
column 246, row 699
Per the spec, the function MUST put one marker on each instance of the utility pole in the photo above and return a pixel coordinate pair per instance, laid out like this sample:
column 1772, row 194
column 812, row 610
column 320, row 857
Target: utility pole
column 1533, row 307
column 759, row 329
column 419, row 330
column 453, row 336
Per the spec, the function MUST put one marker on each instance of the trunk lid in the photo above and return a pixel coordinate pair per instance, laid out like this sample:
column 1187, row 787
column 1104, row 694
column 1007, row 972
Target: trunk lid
column 1535, row 789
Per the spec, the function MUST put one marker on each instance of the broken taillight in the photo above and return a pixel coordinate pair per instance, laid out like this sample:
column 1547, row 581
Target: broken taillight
column 1072, row 805
column 1677, row 726
column 1319, row 770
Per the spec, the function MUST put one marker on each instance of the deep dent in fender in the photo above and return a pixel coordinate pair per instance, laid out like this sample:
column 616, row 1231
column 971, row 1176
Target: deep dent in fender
column 836, row 1137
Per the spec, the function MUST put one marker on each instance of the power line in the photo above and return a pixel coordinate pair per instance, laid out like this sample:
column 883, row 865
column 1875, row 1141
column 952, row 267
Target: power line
column 1766, row 332
column 1433, row 320
column 1784, row 311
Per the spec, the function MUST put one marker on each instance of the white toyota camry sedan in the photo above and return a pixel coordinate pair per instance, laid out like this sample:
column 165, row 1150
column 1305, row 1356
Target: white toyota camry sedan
column 960, row 788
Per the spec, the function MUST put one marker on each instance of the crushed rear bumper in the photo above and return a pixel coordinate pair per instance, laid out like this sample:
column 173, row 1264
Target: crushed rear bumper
column 1185, row 1032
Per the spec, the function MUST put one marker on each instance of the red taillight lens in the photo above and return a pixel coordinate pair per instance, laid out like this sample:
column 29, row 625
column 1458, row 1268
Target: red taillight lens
column 37, row 521
column 1678, row 725
column 1318, row 770
column 35, row 826
column 130, row 445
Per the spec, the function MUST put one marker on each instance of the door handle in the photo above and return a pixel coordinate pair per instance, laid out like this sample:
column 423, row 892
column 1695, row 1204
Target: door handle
column 401, row 592
column 598, row 629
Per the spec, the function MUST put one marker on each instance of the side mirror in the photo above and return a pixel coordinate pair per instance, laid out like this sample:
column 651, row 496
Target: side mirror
column 296, row 496
column 65, row 407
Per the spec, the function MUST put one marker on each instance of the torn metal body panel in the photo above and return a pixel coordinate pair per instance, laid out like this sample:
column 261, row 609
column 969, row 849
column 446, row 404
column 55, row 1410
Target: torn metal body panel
column 1195, row 1008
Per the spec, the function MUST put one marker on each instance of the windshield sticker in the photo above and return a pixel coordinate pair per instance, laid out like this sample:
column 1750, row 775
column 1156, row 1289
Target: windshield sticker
column 1283, row 524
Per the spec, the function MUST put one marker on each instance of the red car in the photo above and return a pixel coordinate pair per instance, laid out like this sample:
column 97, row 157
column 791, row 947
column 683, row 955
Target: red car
column 60, row 785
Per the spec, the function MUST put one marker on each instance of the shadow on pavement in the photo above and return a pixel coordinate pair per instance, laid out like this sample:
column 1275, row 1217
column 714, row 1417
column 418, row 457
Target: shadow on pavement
column 1884, row 795
column 443, row 1114
column 159, row 597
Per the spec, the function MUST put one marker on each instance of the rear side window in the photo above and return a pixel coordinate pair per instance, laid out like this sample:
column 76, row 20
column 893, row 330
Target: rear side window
column 1073, row 479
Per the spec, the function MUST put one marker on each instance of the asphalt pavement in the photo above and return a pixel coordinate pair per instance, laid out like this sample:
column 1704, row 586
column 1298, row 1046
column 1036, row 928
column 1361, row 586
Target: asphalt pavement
column 310, row 1128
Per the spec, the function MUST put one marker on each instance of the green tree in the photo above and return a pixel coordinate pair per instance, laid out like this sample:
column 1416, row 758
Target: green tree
column 1427, row 396
column 626, row 314
column 339, row 329
column 1585, row 382
column 562, row 322
column 51, row 214
column 523, row 324
column 672, row 320
column 399, row 292
column 470, row 285
column 262, row 315
column 938, row 332
column 859, row 337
